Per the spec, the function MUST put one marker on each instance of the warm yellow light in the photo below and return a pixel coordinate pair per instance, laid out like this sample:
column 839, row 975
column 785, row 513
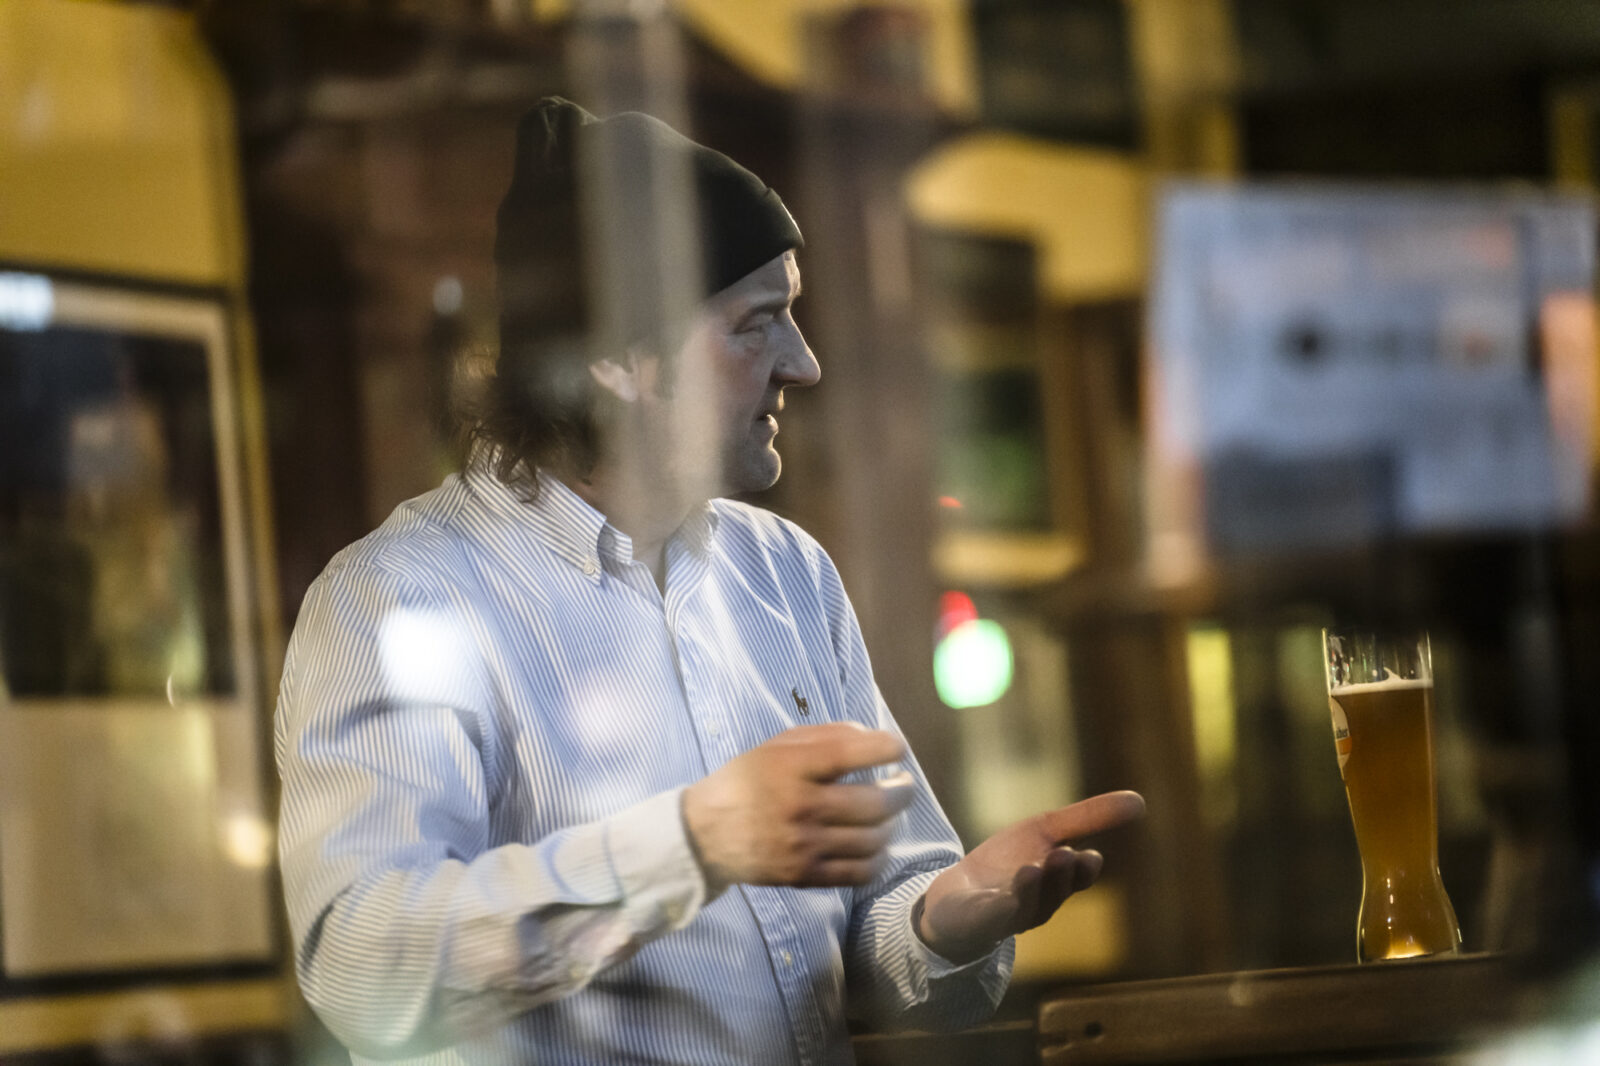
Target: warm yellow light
column 1211, row 702
column 767, row 38
column 247, row 841
column 1086, row 209
column 1087, row 936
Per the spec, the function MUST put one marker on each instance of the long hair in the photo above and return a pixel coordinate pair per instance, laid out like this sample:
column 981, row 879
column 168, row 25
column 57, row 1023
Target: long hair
column 536, row 409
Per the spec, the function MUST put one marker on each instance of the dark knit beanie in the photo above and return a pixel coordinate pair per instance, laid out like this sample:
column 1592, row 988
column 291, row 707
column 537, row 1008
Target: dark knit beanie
column 538, row 240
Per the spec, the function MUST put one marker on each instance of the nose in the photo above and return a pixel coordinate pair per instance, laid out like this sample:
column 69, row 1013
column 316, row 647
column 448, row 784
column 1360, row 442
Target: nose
column 796, row 364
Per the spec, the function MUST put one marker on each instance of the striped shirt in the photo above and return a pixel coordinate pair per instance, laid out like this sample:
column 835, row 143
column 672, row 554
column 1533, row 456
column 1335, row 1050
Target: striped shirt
column 488, row 714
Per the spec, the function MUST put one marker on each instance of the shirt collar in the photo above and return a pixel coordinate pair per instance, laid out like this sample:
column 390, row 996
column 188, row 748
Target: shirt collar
column 561, row 519
column 572, row 528
column 700, row 528
column 696, row 533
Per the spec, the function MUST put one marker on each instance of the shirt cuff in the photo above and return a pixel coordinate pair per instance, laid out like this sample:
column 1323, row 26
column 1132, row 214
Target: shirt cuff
column 663, row 887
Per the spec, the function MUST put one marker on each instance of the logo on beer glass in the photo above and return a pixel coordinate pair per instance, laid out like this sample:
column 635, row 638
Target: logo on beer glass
column 1380, row 693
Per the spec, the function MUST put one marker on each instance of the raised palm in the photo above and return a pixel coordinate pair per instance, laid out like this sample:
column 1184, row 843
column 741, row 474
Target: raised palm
column 1017, row 878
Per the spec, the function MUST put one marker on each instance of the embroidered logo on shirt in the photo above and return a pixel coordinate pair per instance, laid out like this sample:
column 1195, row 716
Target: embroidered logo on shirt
column 800, row 702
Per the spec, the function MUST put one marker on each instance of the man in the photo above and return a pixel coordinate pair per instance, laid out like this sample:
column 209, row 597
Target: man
column 584, row 763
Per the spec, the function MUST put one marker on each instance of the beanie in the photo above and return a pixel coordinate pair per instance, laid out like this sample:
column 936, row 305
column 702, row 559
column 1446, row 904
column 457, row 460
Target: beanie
column 742, row 223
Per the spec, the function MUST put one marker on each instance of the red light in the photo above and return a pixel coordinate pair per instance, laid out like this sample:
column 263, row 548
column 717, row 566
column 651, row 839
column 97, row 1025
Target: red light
column 954, row 609
column 950, row 502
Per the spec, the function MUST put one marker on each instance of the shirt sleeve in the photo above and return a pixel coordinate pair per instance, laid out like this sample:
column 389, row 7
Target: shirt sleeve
column 894, row 980
column 410, row 931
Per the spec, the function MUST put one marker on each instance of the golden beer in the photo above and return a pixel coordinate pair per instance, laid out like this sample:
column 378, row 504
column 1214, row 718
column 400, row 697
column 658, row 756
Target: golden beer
column 1384, row 733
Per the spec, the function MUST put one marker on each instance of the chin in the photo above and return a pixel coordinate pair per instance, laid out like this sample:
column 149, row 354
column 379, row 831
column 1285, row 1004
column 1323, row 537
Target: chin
column 754, row 473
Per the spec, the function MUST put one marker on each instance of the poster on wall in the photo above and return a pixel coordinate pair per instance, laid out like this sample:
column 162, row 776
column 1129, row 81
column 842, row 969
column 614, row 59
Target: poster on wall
column 1334, row 364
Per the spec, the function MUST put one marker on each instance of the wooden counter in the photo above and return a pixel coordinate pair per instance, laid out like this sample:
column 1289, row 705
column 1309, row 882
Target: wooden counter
column 1428, row 1011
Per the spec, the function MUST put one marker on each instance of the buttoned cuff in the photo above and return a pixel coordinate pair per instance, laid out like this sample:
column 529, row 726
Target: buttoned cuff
column 648, row 846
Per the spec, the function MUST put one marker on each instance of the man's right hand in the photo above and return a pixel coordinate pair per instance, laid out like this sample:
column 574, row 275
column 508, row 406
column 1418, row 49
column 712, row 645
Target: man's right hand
column 778, row 815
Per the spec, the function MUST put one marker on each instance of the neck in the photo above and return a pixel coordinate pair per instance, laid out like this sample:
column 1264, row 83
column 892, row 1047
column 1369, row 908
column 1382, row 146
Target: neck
column 649, row 512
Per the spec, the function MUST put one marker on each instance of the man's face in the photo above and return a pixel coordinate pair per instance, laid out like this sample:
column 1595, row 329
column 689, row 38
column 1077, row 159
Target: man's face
column 728, row 382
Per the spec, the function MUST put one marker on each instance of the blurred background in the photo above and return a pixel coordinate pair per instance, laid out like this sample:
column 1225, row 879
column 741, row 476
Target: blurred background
column 246, row 282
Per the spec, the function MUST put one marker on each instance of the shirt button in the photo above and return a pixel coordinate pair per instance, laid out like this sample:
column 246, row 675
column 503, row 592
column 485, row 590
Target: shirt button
column 589, row 569
column 714, row 729
column 788, row 959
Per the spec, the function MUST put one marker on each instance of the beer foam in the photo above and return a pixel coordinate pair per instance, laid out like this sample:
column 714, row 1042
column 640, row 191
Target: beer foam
column 1390, row 683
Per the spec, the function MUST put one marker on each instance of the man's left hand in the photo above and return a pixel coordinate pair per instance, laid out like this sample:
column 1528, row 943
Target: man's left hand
column 1017, row 878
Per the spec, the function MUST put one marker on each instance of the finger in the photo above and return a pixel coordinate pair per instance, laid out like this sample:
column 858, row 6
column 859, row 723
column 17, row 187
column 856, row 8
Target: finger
column 1061, row 859
column 1088, row 869
column 1025, row 889
column 899, row 780
column 852, row 842
column 826, row 752
column 859, row 804
column 1065, row 872
column 1090, row 816
column 1061, row 874
column 838, row 873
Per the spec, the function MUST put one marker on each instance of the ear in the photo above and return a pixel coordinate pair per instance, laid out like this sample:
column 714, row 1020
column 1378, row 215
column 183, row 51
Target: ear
column 621, row 381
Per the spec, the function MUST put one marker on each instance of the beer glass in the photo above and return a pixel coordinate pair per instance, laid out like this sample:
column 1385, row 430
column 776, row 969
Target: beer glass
column 1380, row 690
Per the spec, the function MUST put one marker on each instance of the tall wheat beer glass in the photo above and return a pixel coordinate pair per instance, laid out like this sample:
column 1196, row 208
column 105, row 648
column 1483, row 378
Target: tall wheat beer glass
column 1380, row 690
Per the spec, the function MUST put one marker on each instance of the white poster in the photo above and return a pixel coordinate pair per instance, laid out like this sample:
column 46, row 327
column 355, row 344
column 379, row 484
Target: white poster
column 1340, row 363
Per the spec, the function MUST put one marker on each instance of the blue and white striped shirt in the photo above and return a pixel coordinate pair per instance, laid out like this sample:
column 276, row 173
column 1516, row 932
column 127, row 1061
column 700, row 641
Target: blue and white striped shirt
column 488, row 714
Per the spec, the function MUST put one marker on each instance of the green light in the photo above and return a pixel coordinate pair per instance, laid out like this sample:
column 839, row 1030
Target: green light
column 972, row 664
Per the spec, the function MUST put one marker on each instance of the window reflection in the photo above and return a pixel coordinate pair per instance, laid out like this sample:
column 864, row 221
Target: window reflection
column 111, row 575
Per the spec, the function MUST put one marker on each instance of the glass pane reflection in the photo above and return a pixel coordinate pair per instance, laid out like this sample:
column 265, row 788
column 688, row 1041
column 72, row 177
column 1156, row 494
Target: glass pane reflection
column 111, row 562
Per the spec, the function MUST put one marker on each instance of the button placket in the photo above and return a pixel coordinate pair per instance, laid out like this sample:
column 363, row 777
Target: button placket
column 783, row 941
column 705, row 713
